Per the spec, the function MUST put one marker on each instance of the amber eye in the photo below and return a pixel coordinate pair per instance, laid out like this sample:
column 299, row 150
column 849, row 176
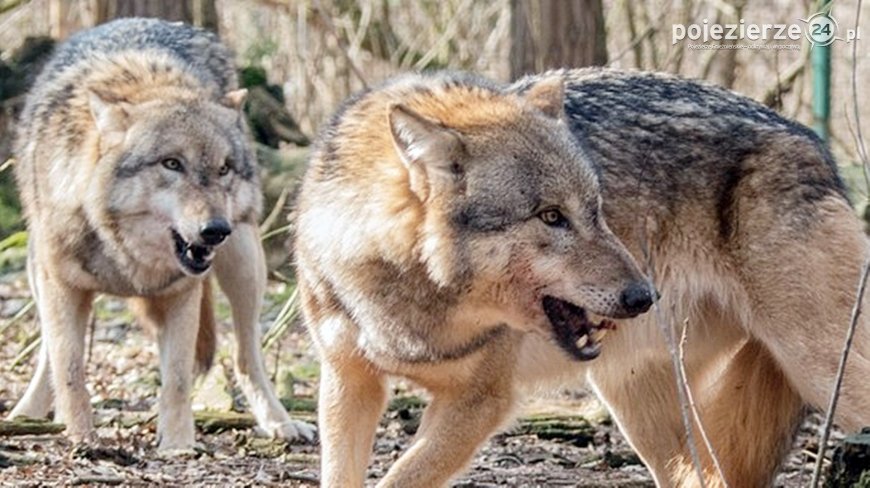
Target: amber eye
column 553, row 218
column 225, row 170
column 172, row 164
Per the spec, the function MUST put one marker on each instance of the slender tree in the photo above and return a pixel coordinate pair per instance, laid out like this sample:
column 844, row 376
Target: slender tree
column 548, row 34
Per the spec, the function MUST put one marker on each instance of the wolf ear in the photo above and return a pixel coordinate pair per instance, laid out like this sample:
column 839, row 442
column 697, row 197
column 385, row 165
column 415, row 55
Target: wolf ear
column 236, row 98
column 549, row 96
column 109, row 115
column 430, row 151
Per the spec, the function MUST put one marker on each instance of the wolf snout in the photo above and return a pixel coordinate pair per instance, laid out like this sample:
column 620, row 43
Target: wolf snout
column 636, row 298
column 215, row 231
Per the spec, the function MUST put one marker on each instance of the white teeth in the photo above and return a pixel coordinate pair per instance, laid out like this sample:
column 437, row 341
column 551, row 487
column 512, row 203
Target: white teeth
column 581, row 342
column 189, row 254
column 598, row 334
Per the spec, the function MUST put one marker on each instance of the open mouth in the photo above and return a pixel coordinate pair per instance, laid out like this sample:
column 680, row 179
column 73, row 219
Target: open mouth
column 194, row 258
column 573, row 331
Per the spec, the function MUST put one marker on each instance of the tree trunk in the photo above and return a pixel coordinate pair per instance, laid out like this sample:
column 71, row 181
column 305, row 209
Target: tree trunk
column 68, row 17
column 198, row 12
column 548, row 34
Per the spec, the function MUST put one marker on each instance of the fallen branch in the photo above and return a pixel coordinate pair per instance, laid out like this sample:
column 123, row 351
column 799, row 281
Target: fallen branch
column 96, row 480
column 28, row 426
column 574, row 429
column 211, row 421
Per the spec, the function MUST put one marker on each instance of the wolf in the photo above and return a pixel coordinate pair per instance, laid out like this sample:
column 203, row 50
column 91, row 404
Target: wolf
column 486, row 241
column 442, row 221
column 137, row 177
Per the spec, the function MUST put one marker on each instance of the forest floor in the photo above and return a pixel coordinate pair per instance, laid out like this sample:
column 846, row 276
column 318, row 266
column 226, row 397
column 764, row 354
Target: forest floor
column 566, row 439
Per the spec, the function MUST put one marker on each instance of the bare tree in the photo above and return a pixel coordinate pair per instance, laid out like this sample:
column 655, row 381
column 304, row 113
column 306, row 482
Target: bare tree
column 555, row 34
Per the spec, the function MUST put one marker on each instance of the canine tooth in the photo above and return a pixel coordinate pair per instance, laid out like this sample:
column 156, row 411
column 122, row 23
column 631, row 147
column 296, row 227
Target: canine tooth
column 598, row 334
column 581, row 342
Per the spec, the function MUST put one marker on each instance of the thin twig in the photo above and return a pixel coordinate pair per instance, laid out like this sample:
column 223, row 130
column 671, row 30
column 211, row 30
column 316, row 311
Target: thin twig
column 841, row 369
column 20, row 314
column 269, row 221
column 274, row 232
column 33, row 344
column 342, row 43
column 285, row 318
column 862, row 283
column 448, row 33
column 633, row 44
column 668, row 333
column 685, row 379
column 7, row 164
column 785, row 82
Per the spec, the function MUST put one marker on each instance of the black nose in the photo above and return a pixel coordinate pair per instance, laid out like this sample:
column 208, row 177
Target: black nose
column 636, row 298
column 215, row 231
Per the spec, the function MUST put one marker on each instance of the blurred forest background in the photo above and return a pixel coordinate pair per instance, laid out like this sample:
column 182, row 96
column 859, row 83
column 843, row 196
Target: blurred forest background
column 303, row 57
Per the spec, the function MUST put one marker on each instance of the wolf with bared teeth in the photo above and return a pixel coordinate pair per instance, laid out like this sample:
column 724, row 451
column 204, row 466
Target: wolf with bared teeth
column 480, row 239
column 443, row 221
column 137, row 178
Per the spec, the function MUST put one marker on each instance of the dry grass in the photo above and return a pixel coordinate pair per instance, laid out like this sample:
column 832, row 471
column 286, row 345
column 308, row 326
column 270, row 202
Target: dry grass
column 320, row 51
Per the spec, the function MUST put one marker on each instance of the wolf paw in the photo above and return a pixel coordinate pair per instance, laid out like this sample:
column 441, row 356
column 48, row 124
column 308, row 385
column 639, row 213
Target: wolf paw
column 190, row 451
column 291, row 431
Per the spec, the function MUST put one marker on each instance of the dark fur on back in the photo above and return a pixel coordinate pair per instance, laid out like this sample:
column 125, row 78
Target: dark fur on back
column 681, row 141
column 198, row 50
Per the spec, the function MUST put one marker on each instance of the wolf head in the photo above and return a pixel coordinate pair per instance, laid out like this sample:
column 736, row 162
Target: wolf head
column 513, row 213
column 182, row 174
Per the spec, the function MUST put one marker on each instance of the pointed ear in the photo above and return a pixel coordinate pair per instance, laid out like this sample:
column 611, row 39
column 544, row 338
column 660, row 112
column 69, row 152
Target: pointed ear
column 549, row 96
column 236, row 98
column 431, row 152
column 109, row 115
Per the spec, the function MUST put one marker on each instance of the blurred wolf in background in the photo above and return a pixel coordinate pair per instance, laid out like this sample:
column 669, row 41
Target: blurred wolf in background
column 450, row 232
column 137, row 177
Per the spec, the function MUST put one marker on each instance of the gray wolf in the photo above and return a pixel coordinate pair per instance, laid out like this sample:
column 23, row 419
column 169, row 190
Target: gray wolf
column 441, row 222
column 137, row 177
column 479, row 240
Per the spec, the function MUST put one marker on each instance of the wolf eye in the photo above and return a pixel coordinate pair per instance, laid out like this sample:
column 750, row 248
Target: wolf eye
column 553, row 218
column 172, row 164
column 225, row 170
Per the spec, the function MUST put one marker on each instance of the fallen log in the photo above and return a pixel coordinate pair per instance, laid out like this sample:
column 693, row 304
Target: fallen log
column 28, row 426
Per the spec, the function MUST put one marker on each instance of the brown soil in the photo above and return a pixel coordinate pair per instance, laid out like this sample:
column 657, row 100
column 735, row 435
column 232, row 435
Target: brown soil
column 123, row 379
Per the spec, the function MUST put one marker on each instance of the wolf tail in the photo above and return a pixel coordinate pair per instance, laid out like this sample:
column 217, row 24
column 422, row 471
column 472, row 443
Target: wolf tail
column 206, row 337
